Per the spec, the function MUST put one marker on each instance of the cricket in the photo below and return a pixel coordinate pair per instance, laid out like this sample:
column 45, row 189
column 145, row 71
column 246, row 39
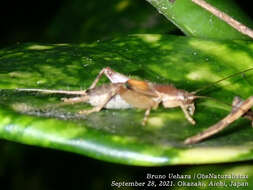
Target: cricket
column 124, row 92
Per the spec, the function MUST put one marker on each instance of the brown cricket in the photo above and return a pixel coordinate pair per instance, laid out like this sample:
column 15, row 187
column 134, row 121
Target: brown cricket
column 240, row 108
column 124, row 92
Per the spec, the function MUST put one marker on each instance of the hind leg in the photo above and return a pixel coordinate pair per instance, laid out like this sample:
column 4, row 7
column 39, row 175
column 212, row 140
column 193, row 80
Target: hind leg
column 103, row 103
column 95, row 109
column 97, row 78
column 112, row 75
column 75, row 99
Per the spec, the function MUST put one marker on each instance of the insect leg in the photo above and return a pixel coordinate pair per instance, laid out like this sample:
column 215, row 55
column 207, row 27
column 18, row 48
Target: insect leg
column 75, row 99
column 158, row 101
column 144, row 121
column 187, row 115
column 99, row 107
column 113, row 76
column 97, row 78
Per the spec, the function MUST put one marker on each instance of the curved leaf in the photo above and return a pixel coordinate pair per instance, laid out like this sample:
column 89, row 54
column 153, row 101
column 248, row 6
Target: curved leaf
column 196, row 21
column 117, row 135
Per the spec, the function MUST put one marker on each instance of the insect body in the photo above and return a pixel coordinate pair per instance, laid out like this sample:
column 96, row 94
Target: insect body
column 124, row 92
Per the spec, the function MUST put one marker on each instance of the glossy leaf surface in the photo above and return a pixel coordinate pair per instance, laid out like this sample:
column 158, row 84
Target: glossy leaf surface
column 193, row 20
column 117, row 135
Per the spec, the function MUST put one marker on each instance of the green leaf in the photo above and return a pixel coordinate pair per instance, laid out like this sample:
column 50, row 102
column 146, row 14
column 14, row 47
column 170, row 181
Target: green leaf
column 196, row 21
column 117, row 135
column 92, row 20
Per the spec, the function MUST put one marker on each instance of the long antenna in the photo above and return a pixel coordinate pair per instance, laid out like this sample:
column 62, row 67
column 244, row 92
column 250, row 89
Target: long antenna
column 214, row 99
column 208, row 86
column 79, row 92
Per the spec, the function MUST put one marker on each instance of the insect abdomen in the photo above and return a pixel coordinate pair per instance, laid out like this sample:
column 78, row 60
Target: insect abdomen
column 98, row 95
column 116, row 102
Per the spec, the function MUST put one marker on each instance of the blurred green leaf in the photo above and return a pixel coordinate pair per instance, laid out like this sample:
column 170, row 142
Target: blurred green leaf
column 196, row 21
column 88, row 21
column 117, row 135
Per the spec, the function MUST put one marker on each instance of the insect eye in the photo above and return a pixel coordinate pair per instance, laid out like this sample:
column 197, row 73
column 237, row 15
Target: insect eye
column 127, row 85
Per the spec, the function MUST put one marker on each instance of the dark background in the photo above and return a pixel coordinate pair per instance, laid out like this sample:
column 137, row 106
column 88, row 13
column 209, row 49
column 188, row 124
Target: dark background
column 75, row 21
column 26, row 21
column 30, row 168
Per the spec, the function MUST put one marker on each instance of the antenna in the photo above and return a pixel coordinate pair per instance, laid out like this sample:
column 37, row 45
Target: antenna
column 208, row 86
column 214, row 99
column 79, row 92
